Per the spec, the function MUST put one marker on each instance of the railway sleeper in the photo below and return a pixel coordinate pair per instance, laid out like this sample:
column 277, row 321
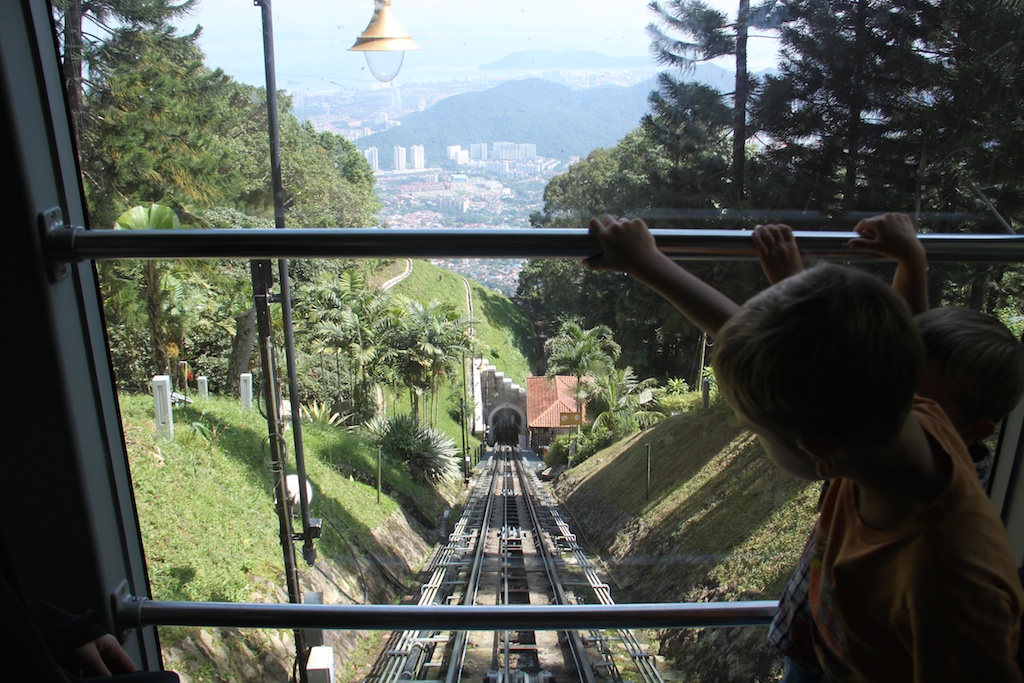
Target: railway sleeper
column 520, row 677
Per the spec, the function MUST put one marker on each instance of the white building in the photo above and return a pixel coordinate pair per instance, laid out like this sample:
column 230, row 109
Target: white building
column 417, row 156
column 478, row 151
column 452, row 204
column 371, row 156
column 400, row 160
column 513, row 150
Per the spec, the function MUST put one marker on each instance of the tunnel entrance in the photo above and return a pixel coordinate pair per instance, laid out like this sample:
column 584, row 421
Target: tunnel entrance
column 506, row 425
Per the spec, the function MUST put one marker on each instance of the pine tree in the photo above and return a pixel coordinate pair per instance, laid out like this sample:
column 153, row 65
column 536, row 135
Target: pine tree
column 79, row 47
column 154, row 113
column 850, row 71
column 689, row 32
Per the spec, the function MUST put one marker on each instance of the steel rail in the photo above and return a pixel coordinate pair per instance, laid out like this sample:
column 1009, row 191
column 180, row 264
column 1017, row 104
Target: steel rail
column 643, row 661
column 460, row 640
column 407, row 657
column 584, row 667
column 66, row 245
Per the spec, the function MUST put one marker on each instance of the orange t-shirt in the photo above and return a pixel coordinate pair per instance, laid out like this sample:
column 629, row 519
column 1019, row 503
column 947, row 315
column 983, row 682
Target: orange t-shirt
column 937, row 599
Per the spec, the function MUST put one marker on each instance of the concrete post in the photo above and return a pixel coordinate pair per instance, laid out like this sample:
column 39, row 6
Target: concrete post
column 245, row 387
column 162, row 406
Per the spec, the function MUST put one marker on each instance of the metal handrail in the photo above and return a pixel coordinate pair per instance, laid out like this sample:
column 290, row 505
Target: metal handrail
column 67, row 245
column 132, row 612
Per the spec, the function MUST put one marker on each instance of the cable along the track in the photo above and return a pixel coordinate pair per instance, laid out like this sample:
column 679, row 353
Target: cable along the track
column 512, row 546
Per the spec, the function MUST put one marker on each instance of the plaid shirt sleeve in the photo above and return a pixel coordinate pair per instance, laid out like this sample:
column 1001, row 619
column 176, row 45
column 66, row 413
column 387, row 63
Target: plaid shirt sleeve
column 792, row 628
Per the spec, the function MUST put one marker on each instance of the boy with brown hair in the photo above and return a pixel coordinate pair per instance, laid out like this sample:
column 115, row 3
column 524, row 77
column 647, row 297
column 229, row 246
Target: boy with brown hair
column 912, row 578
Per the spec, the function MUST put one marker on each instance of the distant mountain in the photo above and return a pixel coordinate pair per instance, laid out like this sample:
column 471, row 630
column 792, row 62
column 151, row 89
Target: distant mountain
column 562, row 122
column 568, row 59
column 536, row 60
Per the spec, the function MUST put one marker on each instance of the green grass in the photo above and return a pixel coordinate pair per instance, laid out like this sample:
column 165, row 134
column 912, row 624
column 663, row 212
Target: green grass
column 206, row 506
column 719, row 522
column 717, row 510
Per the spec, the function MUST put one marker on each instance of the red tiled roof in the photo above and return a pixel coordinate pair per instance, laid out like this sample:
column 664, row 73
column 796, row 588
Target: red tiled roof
column 547, row 398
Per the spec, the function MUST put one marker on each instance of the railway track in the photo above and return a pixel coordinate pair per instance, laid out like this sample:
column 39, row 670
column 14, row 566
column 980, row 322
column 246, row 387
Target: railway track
column 511, row 546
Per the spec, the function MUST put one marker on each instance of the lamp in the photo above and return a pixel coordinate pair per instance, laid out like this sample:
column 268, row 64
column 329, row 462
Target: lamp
column 384, row 43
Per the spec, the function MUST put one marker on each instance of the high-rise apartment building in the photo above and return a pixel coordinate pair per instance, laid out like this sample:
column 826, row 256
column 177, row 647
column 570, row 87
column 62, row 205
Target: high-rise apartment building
column 478, row 151
column 371, row 156
column 418, row 158
column 513, row 150
column 400, row 160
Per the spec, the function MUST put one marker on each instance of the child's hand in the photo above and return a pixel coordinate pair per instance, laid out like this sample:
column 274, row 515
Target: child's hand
column 777, row 250
column 627, row 245
column 892, row 235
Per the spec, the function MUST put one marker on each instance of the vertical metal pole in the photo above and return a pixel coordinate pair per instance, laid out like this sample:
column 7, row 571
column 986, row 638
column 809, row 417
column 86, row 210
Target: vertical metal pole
column 261, row 281
column 378, row 474
column 308, row 534
column 703, row 351
column 462, row 407
column 294, row 591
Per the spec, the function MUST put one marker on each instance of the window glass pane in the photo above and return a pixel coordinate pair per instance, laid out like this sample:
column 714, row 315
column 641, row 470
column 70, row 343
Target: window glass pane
column 412, row 376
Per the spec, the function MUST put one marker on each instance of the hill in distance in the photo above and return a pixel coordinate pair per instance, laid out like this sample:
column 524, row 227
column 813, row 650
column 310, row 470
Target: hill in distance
column 563, row 122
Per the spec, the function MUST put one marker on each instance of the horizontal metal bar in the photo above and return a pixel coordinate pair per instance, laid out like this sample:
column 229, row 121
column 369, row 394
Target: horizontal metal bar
column 133, row 612
column 67, row 245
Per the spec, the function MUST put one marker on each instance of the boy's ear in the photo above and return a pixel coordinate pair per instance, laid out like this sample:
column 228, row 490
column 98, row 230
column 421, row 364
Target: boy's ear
column 977, row 430
column 823, row 454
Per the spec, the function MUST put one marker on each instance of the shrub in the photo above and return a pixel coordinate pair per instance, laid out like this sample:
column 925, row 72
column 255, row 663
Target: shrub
column 428, row 454
column 321, row 413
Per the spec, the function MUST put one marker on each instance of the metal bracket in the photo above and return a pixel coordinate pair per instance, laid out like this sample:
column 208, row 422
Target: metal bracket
column 51, row 222
column 127, row 610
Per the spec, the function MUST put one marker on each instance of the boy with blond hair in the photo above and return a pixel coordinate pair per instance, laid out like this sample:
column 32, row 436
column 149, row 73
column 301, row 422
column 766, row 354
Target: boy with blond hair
column 911, row 577
column 974, row 370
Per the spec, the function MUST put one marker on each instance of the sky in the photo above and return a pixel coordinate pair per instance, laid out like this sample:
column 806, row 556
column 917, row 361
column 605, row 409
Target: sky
column 312, row 37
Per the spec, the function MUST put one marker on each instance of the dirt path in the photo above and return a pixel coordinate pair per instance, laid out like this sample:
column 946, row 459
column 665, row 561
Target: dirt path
column 398, row 278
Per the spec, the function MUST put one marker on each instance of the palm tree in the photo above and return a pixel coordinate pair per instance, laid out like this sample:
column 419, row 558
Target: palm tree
column 157, row 282
column 627, row 403
column 581, row 353
column 350, row 320
column 429, row 342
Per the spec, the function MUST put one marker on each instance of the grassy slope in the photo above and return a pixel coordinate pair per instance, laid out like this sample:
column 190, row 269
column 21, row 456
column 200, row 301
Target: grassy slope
column 210, row 528
column 207, row 510
column 503, row 331
column 722, row 523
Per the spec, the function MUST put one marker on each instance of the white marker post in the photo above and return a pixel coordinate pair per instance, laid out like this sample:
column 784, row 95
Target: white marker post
column 203, row 387
column 245, row 386
column 162, row 406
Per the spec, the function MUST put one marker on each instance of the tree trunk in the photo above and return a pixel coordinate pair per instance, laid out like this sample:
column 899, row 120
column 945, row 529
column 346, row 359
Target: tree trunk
column 739, row 126
column 856, row 104
column 154, row 312
column 72, row 64
column 241, row 347
column 979, row 286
